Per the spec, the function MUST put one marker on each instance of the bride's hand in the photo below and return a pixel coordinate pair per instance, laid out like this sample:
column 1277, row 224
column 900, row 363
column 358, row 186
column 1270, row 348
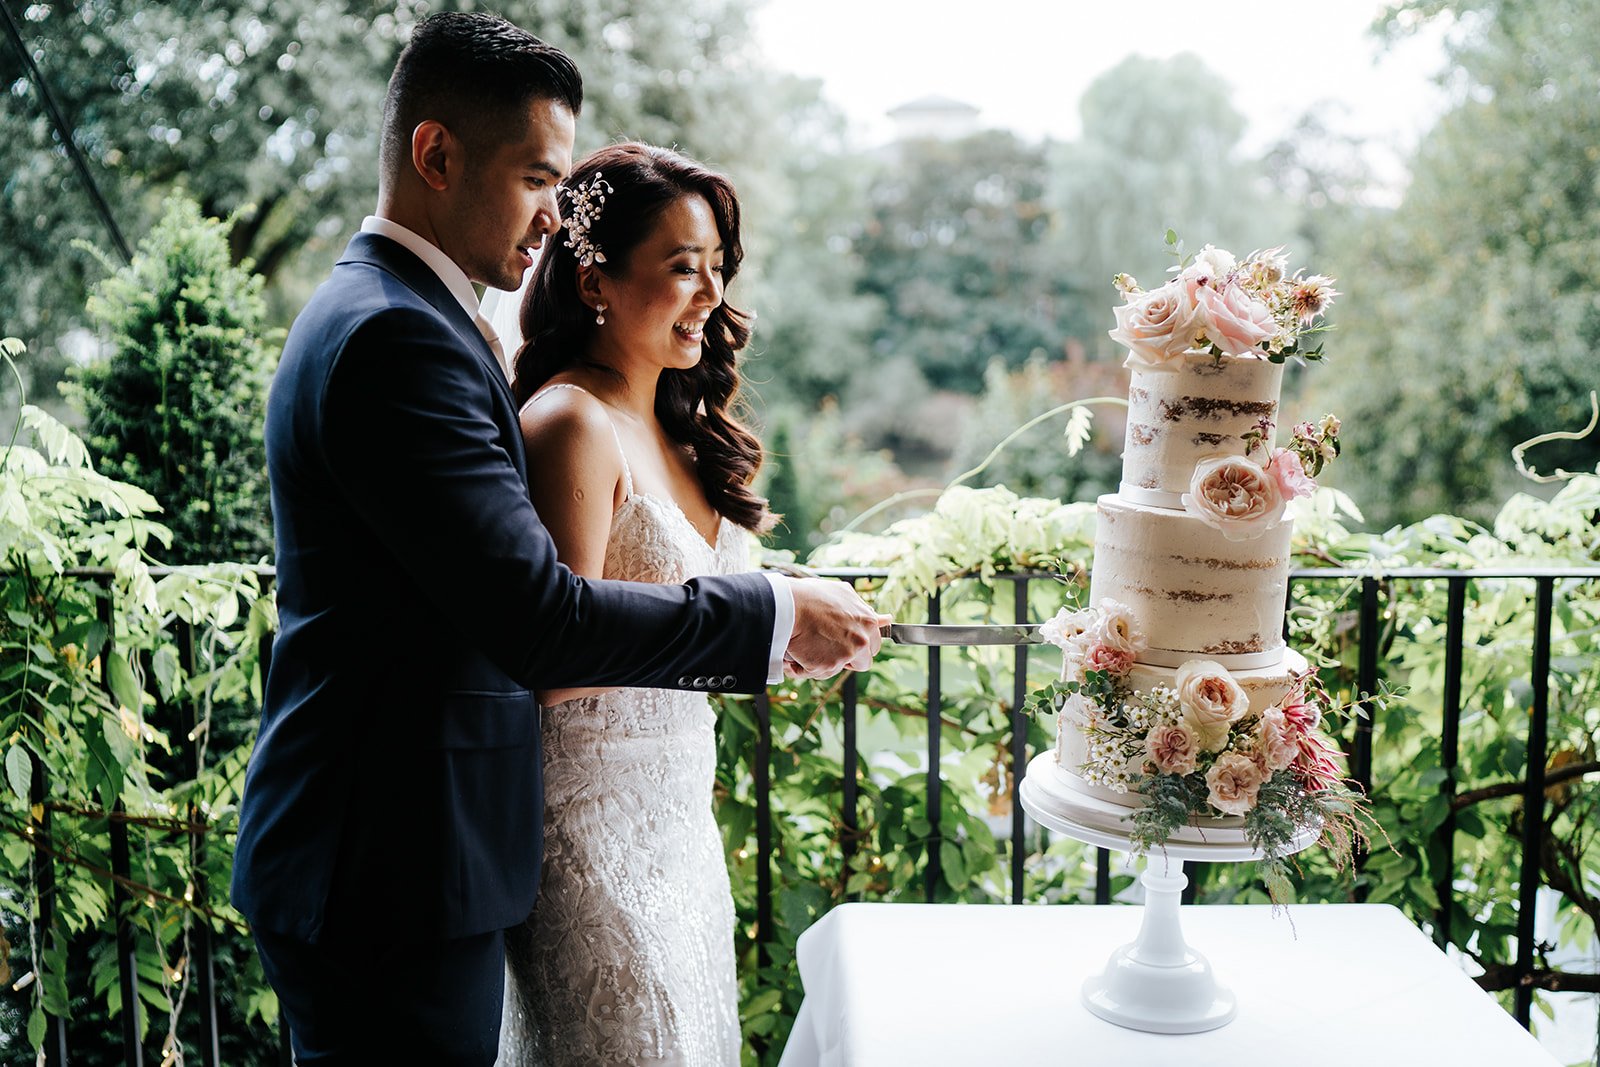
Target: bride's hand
column 834, row 629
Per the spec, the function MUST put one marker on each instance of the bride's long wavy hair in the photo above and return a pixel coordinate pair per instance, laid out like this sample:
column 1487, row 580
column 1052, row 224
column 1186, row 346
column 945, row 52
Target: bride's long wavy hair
column 696, row 406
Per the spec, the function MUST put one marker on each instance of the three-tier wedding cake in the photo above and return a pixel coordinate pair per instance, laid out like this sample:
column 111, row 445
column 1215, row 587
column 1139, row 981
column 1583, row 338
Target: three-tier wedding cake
column 1178, row 695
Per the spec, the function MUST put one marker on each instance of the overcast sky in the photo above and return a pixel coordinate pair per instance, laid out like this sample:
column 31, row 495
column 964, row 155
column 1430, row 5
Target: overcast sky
column 1024, row 63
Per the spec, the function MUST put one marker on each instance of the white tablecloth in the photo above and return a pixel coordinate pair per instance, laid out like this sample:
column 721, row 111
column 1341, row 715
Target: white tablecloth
column 1336, row 984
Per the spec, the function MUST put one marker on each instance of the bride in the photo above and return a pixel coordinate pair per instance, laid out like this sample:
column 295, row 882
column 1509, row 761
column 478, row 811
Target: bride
column 640, row 471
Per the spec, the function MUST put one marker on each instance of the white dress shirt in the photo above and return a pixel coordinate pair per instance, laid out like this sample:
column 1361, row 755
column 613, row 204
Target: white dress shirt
column 460, row 286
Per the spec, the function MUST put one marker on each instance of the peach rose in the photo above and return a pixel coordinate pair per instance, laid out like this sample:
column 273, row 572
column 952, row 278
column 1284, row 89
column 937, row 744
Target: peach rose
column 1172, row 748
column 1290, row 474
column 1234, row 496
column 1276, row 744
column 1157, row 327
column 1233, row 783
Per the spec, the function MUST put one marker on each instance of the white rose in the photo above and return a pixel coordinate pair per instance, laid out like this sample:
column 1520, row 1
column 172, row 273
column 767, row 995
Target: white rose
column 1211, row 700
column 1157, row 327
column 1117, row 628
column 1211, row 736
column 1210, row 263
column 1066, row 624
column 1235, row 496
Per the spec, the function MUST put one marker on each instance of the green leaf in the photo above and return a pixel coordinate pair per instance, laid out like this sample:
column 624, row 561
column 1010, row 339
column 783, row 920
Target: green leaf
column 165, row 663
column 763, row 1002
column 36, row 1026
column 123, row 685
column 19, row 772
column 954, row 863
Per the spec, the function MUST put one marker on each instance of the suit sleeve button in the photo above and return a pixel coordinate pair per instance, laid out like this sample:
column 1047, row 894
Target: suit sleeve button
column 684, row 681
column 700, row 682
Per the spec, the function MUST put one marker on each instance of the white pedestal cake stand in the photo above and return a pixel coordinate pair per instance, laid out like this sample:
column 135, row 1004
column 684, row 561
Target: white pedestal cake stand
column 1157, row 983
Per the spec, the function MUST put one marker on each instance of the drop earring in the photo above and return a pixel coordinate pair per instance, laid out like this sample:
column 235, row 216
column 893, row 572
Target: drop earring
column 600, row 314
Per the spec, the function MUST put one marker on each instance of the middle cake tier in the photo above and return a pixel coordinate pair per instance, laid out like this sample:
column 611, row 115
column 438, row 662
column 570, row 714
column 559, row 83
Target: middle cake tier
column 1193, row 591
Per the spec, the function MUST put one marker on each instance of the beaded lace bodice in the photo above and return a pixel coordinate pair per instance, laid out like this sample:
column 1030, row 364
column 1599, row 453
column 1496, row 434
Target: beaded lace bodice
column 628, row 957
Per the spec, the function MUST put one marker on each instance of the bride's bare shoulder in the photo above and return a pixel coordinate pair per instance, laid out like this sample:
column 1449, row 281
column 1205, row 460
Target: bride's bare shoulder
column 566, row 427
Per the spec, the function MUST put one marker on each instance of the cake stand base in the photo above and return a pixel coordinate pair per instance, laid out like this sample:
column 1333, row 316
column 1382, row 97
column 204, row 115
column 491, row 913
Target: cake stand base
column 1157, row 983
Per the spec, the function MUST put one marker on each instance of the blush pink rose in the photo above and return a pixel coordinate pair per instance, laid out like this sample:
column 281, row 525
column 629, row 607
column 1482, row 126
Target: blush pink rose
column 1234, row 496
column 1290, row 474
column 1157, row 327
column 1172, row 748
column 1233, row 782
column 1103, row 657
column 1234, row 321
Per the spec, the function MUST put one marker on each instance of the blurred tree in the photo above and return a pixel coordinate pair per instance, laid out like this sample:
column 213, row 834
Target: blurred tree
column 276, row 105
column 812, row 339
column 953, row 245
column 271, row 103
column 1160, row 149
column 1479, row 311
column 175, row 408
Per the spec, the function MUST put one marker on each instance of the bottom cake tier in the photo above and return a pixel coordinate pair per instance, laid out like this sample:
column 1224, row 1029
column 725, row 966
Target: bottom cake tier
column 1055, row 790
column 1265, row 687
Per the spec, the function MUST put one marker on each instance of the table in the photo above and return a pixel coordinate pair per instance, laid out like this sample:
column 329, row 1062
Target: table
column 960, row 984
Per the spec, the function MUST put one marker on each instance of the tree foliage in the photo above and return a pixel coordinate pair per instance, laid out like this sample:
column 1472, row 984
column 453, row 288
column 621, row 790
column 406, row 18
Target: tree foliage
column 1479, row 312
column 96, row 680
column 176, row 405
column 954, row 245
column 1160, row 150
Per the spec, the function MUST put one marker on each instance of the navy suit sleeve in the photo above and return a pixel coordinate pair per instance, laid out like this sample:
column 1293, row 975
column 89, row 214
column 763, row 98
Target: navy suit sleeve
column 410, row 438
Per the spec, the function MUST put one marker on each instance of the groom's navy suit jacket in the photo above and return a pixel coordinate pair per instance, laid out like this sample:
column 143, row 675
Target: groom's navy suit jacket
column 395, row 786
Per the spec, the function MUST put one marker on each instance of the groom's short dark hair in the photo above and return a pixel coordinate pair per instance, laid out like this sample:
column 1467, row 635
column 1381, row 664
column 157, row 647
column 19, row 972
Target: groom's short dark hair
column 475, row 73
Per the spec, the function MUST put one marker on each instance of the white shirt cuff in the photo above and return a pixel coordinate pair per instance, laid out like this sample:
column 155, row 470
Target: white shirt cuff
column 782, row 624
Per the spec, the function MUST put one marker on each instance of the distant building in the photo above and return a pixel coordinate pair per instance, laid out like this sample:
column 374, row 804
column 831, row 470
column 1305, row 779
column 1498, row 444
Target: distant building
column 934, row 117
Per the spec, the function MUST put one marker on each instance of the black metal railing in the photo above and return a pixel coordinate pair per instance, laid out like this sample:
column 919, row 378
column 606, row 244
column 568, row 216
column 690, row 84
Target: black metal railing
column 1368, row 635
column 1369, row 619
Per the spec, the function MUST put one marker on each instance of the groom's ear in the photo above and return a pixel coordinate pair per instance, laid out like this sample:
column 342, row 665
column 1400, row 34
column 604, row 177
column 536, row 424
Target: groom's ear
column 589, row 286
column 436, row 154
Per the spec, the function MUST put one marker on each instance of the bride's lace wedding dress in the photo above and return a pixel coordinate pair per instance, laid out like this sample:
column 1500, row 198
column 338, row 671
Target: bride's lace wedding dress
column 628, row 957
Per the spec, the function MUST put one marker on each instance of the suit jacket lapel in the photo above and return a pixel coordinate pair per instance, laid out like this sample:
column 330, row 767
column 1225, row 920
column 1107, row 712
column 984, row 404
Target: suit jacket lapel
column 391, row 256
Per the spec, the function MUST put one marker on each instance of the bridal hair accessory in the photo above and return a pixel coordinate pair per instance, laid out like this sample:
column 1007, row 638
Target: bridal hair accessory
column 600, row 314
column 586, row 201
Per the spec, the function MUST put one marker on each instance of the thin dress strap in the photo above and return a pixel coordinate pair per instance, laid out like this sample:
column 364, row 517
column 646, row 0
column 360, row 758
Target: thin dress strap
column 627, row 475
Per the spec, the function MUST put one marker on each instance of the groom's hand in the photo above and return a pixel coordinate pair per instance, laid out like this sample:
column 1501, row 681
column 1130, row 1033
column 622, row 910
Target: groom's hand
column 834, row 629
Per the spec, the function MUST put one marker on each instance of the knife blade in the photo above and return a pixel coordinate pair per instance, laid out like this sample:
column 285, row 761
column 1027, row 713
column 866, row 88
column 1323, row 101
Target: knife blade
column 905, row 633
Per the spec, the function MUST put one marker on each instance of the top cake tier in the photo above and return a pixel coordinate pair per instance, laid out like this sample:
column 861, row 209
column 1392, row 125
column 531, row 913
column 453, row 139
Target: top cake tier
column 1177, row 418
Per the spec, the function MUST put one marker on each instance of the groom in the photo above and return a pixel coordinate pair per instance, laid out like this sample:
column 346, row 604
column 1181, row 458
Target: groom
column 390, row 827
